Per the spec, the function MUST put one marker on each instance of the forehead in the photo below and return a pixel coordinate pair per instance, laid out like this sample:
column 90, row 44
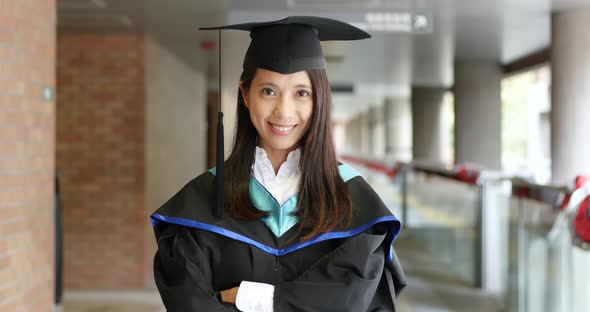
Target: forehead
column 268, row 76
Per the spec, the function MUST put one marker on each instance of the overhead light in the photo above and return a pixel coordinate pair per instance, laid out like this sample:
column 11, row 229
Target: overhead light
column 100, row 3
column 397, row 22
column 420, row 22
column 81, row 5
column 389, row 21
column 332, row 4
column 125, row 20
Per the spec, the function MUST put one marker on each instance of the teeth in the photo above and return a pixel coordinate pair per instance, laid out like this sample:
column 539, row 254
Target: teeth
column 283, row 129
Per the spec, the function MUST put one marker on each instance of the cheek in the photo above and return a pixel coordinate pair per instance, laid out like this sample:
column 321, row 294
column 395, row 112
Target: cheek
column 254, row 110
column 306, row 113
column 258, row 114
column 306, row 116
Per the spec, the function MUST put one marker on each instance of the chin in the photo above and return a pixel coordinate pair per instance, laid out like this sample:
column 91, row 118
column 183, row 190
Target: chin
column 282, row 145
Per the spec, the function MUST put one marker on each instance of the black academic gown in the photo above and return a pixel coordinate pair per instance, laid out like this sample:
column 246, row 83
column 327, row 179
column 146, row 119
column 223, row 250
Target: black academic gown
column 349, row 269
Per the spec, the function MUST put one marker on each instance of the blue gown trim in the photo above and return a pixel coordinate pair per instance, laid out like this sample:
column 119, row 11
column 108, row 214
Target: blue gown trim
column 156, row 218
column 261, row 195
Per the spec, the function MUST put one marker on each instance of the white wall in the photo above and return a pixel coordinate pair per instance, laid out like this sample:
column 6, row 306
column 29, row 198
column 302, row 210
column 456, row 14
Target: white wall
column 234, row 46
column 176, row 129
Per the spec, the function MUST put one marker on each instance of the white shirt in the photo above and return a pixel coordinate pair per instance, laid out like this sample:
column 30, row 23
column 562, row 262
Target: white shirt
column 259, row 297
column 285, row 183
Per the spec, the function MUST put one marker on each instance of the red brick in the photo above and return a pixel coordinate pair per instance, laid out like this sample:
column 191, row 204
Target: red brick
column 100, row 134
column 26, row 154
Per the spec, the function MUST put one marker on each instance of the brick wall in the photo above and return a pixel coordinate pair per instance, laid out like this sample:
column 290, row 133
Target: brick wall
column 27, row 142
column 100, row 154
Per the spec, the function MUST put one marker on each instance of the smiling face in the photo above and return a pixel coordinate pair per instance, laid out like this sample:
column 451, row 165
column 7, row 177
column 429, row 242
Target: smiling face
column 280, row 108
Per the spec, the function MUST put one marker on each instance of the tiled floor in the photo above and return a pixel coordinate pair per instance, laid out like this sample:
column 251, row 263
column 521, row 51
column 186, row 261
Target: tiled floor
column 112, row 301
column 431, row 288
column 81, row 306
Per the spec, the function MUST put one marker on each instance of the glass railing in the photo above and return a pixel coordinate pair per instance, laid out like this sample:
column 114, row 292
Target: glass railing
column 501, row 235
column 442, row 214
column 547, row 272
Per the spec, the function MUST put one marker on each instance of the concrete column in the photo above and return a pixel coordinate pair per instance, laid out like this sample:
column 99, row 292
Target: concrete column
column 397, row 118
column 377, row 131
column 358, row 135
column 570, row 79
column 427, row 124
column 365, row 133
column 478, row 117
column 370, row 124
column 348, row 136
column 352, row 136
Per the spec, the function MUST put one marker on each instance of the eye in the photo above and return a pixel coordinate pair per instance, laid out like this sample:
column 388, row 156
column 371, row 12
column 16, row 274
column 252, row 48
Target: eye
column 267, row 91
column 302, row 93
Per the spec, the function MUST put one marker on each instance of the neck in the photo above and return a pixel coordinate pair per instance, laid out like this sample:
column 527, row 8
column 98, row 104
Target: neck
column 277, row 156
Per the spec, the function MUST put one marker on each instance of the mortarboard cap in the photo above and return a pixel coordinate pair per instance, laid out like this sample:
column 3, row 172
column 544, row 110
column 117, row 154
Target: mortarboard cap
column 284, row 46
column 292, row 44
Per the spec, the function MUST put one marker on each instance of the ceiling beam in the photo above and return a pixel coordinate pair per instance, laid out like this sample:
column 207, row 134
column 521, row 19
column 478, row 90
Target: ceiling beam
column 535, row 59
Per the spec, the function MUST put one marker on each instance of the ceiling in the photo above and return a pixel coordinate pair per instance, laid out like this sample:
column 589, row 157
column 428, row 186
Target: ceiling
column 387, row 64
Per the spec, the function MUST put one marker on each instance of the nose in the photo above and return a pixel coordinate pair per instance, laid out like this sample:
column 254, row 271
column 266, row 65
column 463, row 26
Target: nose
column 285, row 107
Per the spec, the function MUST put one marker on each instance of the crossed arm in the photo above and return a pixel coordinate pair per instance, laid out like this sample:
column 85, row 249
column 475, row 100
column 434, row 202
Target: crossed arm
column 344, row 280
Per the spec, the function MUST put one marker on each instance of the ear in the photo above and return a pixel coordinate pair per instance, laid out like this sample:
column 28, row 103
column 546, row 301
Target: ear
column 244, row 94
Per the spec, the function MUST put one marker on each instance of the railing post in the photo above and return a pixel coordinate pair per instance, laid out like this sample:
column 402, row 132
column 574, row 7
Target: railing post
column 404, row 176
column 521, row 257
column 479, row 241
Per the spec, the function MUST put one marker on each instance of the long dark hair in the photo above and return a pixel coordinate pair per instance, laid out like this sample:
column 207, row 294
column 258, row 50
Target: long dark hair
column 323, row 202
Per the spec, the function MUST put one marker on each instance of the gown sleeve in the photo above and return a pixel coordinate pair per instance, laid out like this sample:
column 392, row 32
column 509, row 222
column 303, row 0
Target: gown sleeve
column 353, row 277
column 182, row 273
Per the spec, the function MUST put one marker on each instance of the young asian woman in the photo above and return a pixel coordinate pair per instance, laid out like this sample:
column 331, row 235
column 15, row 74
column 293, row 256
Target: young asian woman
column 299, row 230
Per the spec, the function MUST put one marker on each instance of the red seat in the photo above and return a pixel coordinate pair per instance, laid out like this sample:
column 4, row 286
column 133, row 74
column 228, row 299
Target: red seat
column 582, row 221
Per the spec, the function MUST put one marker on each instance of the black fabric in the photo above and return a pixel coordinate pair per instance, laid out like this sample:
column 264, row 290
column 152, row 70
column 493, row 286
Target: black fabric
column 194, row 200
column 343, row 274
column 346, row 279
column 293, row 43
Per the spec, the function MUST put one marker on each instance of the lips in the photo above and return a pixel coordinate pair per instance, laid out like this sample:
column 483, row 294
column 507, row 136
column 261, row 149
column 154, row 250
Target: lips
column 282, row 129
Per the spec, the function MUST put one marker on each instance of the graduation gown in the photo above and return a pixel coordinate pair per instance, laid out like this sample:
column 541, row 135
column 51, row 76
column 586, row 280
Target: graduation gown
column 350, row 269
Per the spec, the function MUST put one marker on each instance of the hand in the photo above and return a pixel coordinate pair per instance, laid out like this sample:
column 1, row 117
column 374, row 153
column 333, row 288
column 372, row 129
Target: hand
column 229, row 295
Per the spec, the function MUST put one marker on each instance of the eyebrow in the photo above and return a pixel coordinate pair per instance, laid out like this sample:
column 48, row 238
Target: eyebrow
column 274, row 85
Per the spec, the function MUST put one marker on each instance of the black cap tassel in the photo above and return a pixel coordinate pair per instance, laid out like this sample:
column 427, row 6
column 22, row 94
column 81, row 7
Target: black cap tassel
column 218, row 209
column 219, row 170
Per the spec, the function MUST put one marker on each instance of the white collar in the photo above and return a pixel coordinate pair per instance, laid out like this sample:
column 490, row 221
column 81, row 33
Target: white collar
column 285, row 183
